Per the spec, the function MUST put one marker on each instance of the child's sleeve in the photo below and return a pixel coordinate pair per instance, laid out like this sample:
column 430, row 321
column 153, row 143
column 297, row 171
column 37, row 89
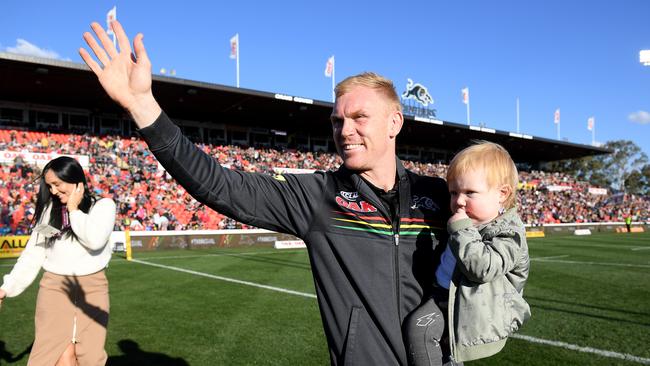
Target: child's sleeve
column 483, row 261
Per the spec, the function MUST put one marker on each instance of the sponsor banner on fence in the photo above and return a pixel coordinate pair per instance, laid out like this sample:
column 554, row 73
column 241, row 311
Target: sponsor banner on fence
column 12, row 246
column 582, row 232
column 535, row 234
column 597, row 191
column 39, row 159
column 558, row 188
column 289, row 244
column 208, row 240
column 279, row 170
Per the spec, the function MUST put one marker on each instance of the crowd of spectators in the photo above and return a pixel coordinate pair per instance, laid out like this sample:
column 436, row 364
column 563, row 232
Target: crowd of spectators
column 148, row 199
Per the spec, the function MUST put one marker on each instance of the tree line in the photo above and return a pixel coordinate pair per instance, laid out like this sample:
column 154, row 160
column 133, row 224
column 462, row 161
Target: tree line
column 625, row 170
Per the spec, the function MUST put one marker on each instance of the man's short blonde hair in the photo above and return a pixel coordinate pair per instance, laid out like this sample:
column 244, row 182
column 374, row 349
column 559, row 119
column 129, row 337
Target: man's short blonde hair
column 373, row 81
column 498, row 165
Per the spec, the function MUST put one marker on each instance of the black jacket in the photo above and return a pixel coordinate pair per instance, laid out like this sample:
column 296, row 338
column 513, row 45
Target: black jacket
column 368, row 275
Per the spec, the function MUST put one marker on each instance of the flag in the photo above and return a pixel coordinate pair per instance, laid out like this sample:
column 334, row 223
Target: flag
column 110, row 16
column 590, row 123
column 465, row 92
column 234, row 46
column 557, row 116
column 329, row 67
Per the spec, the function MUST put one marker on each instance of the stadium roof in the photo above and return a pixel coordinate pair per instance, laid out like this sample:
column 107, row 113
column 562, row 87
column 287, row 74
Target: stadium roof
column 67, row 84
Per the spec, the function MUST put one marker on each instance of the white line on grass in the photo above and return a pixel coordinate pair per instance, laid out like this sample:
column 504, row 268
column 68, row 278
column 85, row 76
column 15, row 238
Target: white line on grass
column 641, row 248
column 584, row 245
column 546, row 258
column 278, row 289
column 595, row 263
column 220, row 254
column 573, row 347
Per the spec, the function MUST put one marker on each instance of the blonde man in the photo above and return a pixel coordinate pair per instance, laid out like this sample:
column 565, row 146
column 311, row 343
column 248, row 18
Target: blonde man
column 371, row 227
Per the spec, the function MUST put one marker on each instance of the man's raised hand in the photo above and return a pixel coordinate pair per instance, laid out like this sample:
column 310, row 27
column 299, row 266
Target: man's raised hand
column 125, row 77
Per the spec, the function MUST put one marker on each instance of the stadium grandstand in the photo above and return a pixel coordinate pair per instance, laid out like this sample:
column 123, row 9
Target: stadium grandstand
column 50, row 107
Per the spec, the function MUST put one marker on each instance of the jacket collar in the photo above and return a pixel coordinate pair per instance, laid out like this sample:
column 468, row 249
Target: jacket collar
column 403, row 188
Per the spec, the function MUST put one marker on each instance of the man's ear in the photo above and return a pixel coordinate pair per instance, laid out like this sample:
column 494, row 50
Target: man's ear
column 396, row 123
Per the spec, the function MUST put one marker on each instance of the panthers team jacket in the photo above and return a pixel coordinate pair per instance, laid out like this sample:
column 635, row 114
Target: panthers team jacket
column 369, row 272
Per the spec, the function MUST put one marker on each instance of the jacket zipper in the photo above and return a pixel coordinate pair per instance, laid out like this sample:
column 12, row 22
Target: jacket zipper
column 396, row 252
column 396, row 225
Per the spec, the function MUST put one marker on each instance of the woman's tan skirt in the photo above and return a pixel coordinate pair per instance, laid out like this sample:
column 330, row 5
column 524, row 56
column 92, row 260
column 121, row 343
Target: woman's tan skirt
column 71, row 309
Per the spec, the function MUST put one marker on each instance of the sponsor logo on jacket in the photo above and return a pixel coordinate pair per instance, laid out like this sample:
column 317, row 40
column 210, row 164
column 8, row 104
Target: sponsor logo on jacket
column 424, row 202
column 350, row 196
column 348, row 200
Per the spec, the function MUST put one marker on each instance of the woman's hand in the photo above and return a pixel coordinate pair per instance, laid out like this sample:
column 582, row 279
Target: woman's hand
column 3, row 294
column 75, row 197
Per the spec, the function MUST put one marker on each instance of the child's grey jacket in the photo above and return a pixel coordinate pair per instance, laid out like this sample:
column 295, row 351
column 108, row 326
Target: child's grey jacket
column 485, row 295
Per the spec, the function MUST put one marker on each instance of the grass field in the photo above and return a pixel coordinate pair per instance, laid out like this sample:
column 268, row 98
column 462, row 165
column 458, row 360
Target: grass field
column 588, row 292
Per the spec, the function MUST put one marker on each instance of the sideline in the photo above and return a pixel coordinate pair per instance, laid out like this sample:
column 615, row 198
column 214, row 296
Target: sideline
column 547, row 258
column 592, row 263
column 276, row 251
column 573, row 347
column 226, row 279
column 641, row 248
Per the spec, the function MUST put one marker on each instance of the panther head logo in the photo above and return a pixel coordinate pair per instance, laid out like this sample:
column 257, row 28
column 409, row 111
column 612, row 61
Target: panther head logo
column 418, row 92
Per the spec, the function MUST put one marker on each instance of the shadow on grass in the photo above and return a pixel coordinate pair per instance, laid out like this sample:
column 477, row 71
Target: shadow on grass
column 280, row 262
column 9, row 358
column 587, row 315
column 622, row 311
column 133, row 355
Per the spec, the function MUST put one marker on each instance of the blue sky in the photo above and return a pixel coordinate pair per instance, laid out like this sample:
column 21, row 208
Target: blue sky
column 580, row 56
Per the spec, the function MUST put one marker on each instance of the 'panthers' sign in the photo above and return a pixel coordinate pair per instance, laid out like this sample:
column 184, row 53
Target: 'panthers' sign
column 418, row 92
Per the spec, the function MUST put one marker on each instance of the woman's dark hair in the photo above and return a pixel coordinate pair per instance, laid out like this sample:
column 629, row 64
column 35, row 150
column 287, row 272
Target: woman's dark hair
column 70, row 171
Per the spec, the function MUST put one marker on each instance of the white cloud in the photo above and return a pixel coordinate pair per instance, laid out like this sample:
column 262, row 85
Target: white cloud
column 640, row 117
column 25, row 48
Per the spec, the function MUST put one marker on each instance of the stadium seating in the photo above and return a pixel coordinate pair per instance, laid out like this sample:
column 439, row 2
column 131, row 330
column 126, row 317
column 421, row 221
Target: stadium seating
column 124, row 169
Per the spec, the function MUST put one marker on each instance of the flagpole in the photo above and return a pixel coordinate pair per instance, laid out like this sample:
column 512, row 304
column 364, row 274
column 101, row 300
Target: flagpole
column 333, row 80
column 517, row 114
column 468, row 120
column 115, row 38
column 593, row 133
column 110, row 17
column 238, row 60
column 558, row 129
column 593, row 136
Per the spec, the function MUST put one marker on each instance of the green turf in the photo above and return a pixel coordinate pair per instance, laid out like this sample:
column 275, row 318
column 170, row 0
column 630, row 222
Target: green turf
column 595, row 293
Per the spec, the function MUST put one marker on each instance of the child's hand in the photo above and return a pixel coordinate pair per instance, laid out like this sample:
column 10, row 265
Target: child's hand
column 458, row 215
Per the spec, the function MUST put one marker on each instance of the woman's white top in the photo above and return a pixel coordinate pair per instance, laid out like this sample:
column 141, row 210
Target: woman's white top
column 88, row 253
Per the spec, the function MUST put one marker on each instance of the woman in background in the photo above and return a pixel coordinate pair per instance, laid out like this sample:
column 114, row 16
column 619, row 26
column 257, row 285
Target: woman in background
column 69, row 240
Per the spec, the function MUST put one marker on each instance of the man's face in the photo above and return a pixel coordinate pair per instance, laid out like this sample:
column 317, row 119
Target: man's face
column 364, row 127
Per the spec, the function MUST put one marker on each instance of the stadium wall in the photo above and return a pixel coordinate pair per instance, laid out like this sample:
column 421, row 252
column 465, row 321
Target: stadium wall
column 12, row 246
column 570, row 228
column 200, row 239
